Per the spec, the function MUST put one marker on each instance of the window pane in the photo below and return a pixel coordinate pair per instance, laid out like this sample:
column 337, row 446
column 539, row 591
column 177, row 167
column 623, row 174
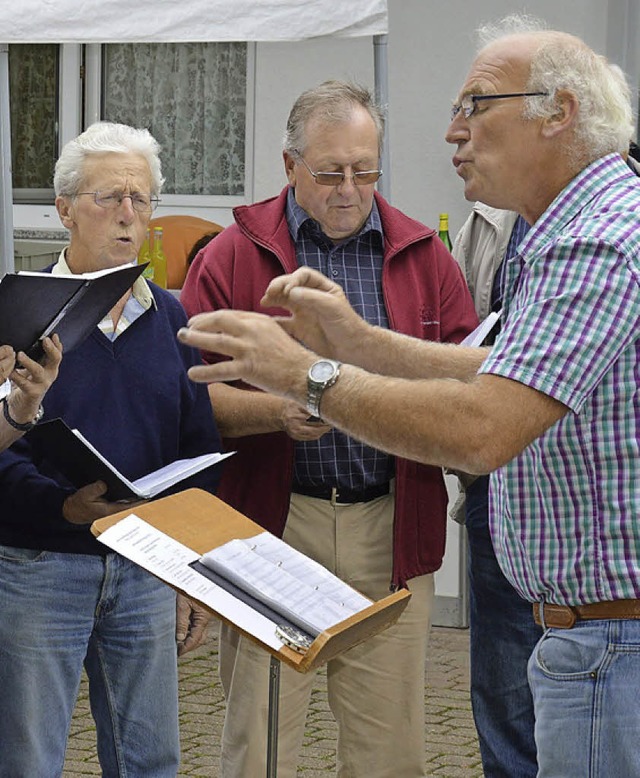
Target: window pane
column 192, row 98
column 33, row 87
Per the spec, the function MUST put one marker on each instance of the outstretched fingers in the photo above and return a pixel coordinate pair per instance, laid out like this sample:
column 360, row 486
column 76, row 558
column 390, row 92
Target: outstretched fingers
column 288, row 290
column 242, row 336
column 7, row 362
column 218, row 333
column 259, row 351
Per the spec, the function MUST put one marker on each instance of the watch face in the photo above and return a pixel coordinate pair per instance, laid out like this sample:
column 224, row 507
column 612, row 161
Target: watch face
column 322, row 371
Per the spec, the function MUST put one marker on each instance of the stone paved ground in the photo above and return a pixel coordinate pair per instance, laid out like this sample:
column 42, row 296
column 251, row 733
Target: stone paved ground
column 452, row 746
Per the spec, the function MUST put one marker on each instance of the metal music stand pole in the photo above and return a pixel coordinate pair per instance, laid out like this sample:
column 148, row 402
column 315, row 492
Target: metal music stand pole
column 272, row 732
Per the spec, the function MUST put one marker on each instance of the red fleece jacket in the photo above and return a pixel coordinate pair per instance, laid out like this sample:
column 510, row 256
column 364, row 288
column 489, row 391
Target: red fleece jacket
column 425, row 296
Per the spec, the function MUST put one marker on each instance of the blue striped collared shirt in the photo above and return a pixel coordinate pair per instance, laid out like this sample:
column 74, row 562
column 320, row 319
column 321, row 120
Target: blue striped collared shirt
column 356, row 264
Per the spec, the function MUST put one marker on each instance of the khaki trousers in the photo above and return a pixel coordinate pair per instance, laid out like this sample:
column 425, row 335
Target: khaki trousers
column 375, row 690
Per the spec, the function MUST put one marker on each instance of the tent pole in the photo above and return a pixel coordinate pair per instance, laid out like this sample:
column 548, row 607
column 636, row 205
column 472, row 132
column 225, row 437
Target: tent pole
column 381, row 77
column 6, row 192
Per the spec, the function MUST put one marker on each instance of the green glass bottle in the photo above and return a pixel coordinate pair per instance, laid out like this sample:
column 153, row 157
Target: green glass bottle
column 159, row 259
column 443, row 230
column 144, row 255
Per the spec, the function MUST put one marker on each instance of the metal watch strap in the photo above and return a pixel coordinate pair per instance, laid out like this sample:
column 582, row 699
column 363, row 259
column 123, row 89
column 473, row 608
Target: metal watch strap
column 23, row 427
column 314, row 395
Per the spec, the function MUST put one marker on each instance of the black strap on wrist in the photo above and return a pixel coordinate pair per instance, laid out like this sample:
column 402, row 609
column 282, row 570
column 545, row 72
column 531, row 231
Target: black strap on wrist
column 22, row 427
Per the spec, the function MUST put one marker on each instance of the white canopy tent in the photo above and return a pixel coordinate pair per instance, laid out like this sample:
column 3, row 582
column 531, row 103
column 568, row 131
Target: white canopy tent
column 97, row 21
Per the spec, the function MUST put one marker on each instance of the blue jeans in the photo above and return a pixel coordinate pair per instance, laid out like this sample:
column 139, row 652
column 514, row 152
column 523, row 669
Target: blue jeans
column 60, row 611
column 503, row 635
column 585, row 684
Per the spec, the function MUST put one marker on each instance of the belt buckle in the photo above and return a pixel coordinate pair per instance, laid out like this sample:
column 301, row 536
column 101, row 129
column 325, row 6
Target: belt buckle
column 335, row 497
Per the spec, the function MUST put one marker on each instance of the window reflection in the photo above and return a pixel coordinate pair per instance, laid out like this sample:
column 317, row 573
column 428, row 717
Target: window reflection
column 33, row 89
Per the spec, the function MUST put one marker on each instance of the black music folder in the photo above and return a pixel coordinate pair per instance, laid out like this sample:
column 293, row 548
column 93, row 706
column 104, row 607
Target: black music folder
column 36, row 305
column 81, row 463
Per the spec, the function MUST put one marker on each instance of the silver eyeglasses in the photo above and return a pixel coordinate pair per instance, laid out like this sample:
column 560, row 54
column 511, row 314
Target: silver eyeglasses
column 468, row 104
column 142, row 203
column 359, row 178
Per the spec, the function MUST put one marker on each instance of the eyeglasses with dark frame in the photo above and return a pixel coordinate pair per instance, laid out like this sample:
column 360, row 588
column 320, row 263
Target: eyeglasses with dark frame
column 468, row 104
column 142, row 203
column 359, row 177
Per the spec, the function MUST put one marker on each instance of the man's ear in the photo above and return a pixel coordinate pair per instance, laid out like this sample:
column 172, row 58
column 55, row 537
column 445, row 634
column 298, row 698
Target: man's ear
column 64, row 208
column 289, row 167
column 564, row 116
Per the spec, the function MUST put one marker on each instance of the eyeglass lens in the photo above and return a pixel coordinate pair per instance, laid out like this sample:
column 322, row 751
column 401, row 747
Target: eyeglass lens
column 143, row 203
column 359, row 178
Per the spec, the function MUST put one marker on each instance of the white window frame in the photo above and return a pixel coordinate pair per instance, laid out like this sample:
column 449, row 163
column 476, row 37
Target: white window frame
column 43, row 217
column 70, row 108
column 68, row 111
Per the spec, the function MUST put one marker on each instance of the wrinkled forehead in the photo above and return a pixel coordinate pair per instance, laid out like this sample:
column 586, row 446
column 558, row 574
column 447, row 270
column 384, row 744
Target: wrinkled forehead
column 355, row 136
column 503, row 66
column 116, row 169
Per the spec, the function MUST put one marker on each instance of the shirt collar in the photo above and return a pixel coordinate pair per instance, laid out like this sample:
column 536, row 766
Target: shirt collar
column 572, row 199
column 297, row 217
column 141, row 291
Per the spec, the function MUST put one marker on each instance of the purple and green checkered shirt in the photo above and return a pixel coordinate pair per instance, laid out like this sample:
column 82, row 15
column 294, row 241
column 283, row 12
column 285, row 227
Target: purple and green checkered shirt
column 565, row 513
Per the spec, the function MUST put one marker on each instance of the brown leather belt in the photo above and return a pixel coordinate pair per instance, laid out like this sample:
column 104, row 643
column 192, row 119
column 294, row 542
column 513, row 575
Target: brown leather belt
column 565, row 616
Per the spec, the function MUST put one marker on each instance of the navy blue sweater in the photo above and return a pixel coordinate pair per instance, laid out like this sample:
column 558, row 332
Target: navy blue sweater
column 132, row 399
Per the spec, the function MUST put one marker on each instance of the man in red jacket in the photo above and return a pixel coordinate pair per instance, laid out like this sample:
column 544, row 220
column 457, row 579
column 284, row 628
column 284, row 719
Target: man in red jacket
column 376, row 521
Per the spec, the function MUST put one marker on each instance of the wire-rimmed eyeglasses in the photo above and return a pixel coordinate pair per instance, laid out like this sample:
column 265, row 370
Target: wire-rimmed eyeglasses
column 468, row 104
column 359, row 177
column 142, row 203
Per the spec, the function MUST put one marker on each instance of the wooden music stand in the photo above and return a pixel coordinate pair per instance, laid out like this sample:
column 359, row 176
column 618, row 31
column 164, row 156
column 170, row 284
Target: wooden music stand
column 201, row 522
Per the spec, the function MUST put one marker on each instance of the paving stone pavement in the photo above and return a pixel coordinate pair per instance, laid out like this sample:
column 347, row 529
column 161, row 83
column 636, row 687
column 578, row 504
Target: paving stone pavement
column 452, row 745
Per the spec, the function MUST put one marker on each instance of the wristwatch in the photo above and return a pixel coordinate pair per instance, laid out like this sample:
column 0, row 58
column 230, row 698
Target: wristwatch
column 322, row 374
column 23, row 427
column 293, row 637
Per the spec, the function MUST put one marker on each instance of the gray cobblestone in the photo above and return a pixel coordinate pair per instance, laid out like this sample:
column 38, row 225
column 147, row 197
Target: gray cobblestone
column 452, row 745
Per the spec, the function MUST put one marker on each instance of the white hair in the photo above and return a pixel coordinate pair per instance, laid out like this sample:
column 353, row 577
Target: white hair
column 605, row 121
column 105, row 138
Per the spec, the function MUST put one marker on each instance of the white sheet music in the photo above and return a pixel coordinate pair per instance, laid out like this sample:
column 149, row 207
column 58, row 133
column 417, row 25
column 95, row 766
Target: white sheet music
column 153, row 483
column 169, row 560
column 291, row 583
column 477, row 337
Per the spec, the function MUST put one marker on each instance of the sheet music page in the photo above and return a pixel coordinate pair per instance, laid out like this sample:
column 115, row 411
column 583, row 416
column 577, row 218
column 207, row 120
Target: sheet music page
column 153, row 483
column 477, row 337
column 167, row 476
column 169, row 560
column 286, row 580
column 91, row 274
